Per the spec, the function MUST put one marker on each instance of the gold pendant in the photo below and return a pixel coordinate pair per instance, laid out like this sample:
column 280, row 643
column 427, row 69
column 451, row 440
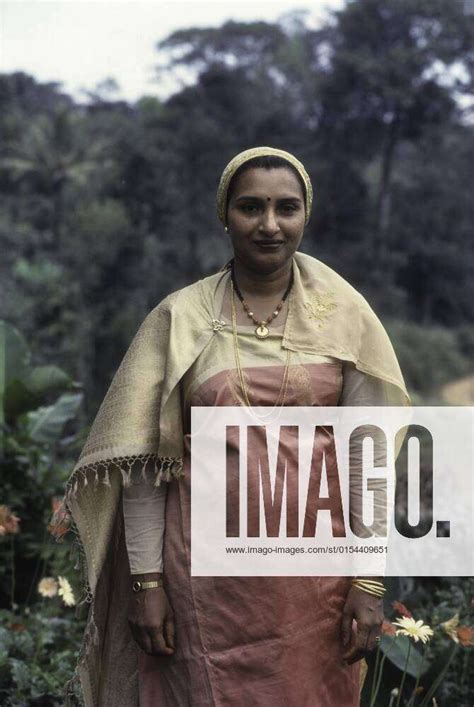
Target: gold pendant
column 262, row 331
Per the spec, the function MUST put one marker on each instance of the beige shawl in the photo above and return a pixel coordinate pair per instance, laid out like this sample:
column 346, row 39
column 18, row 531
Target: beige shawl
column 139, row 425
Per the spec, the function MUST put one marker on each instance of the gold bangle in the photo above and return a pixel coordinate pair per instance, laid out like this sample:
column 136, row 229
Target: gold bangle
column 370, row 583
column 375, row 590
column 379, row 587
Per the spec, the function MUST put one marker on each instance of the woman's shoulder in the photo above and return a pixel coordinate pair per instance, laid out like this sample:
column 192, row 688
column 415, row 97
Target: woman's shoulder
column 191, row 295
column 318, row 277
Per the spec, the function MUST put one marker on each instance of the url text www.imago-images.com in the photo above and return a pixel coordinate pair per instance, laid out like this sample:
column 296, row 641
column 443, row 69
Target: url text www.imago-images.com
column 332, row 491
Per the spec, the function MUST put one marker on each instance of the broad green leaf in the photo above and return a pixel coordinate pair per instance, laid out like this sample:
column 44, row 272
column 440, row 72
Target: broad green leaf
column 43, row 379
column 27, row 393
column 14, row 355
column 14, row 359
column 396, row 650
column 47, row 423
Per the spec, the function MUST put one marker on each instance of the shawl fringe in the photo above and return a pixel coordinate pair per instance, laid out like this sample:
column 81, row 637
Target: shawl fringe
column 73, row 696
column 149, row 466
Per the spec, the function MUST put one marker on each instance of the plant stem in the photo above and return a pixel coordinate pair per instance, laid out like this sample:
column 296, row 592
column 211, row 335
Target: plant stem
column 374, row 677
column 379, row 676
column 12, row 560
column 439, row 679
column 400, row 689
column 41, row 561
column 412, row 699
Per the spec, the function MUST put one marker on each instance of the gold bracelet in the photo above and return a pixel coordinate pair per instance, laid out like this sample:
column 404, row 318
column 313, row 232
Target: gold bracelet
column 369, row 583
column 375, row 588
column 139, row 586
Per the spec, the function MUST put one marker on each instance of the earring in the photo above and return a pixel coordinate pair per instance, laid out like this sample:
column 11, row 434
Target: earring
column 226, row 229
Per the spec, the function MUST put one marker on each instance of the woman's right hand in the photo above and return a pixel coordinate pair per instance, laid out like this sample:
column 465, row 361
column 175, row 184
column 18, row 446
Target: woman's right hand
column 151, row 621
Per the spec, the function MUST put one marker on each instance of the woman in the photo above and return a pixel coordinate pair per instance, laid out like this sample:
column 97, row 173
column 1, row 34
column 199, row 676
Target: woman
column 275, row 328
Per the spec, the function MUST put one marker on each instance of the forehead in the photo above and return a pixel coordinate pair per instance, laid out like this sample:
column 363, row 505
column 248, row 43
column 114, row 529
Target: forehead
column 276, row 182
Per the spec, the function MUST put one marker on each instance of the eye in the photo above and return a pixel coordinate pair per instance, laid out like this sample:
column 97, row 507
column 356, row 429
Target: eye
column 250, row 208
column 289, row 208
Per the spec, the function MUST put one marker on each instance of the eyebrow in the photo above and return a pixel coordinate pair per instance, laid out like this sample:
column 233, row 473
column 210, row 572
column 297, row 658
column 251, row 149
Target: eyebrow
column 261, row 198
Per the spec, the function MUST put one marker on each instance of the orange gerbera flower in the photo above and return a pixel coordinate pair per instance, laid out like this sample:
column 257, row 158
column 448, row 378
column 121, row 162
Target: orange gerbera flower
column 465, row 635
column 388, row 628
column 60, row 522
column 401, row 609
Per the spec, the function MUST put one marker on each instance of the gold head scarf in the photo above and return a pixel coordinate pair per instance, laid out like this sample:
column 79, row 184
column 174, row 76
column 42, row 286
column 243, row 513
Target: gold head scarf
column 247, row 155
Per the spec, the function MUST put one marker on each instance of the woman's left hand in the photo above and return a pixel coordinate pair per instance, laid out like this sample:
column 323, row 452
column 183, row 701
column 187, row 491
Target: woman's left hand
column 367, row 610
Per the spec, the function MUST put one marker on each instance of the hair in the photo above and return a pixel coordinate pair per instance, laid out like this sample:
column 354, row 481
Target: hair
column 263, row 162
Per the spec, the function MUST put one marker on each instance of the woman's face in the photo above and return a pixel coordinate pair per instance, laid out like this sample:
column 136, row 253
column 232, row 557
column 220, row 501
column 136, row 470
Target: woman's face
column 265, row 218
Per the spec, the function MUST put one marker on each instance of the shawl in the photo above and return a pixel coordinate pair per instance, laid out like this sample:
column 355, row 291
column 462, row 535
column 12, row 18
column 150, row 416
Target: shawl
column 139, row 426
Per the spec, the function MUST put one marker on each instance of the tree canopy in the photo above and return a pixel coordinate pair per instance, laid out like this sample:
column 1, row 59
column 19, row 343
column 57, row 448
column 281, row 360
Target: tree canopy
column 108, row 206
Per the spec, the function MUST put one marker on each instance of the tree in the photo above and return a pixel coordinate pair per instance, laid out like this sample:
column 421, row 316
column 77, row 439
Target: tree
column 53, row 151
column 388, row 59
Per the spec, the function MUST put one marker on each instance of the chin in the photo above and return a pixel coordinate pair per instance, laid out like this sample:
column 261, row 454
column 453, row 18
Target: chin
column 269, row 262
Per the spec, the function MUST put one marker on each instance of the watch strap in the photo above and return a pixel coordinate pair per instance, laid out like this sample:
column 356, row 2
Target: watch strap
column 139, row 586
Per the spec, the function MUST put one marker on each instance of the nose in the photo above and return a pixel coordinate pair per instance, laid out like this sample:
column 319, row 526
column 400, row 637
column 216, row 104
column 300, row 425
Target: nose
column 269, row 224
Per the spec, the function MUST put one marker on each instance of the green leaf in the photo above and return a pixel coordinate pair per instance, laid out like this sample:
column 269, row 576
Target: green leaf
column 27, row 392
column 20, row 673
column 396, row 650
column 14, row 355
column 14, row 359
column 47, row 423
column 18, row 399
column 43, row 379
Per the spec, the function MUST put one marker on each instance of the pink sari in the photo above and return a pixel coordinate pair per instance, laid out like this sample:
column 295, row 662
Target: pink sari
column 249, row 641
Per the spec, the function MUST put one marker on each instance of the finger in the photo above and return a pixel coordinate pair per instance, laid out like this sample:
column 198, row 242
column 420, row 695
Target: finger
column 353, row 655
column 373, row 639
column 358, row 648
column 362, row 637
column 158, row 643
column 346, row 628
column 169, row 632
column 142, row 639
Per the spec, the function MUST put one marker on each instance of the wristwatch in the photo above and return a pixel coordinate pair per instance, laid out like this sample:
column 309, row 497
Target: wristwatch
column 138, row 586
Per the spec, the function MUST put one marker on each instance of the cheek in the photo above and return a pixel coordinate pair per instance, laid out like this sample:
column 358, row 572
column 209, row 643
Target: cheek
column 297, row 232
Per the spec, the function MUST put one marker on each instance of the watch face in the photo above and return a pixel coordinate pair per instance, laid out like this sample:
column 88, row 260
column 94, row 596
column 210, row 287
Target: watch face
column 136, row 586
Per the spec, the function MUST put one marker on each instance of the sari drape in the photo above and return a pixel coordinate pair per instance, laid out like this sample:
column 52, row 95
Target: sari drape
column 140, row 426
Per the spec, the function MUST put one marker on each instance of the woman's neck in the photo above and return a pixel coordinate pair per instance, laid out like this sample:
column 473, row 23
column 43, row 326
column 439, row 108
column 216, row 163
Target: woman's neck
column 262, row 285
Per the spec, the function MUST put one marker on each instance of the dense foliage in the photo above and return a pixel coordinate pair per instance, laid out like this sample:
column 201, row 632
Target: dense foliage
column 108, row 206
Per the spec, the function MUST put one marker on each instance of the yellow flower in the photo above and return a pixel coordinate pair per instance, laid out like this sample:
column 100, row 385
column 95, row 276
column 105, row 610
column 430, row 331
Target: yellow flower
column 413, row 629
column 48, row 587
column 65, row 591
column 450, row 627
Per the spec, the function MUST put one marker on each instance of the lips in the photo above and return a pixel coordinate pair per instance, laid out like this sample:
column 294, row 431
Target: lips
column 269, row 245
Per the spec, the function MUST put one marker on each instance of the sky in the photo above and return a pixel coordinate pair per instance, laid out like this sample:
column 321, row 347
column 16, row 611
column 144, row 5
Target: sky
column 82, row 43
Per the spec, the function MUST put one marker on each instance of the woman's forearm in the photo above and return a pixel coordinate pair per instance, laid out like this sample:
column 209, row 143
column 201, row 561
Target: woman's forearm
column 144, row 518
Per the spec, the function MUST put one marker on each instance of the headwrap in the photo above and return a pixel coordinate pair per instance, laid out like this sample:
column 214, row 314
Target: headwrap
column 247, row 155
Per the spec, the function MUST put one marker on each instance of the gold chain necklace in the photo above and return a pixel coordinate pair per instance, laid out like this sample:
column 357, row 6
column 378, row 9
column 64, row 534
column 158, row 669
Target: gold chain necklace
column 262, row 330
column 280, row 401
